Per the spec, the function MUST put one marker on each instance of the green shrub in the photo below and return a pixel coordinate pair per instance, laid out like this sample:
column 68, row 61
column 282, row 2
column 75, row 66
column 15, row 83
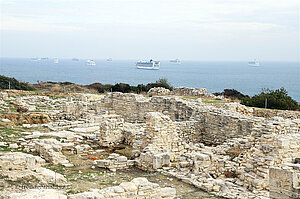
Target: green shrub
column 14, row 84
column 126, row 88
column 276, row 99
column 142, row 88
column 121, row 87
column 101, row 88
column 163, row 82
column 232, row 93
column 66, row 83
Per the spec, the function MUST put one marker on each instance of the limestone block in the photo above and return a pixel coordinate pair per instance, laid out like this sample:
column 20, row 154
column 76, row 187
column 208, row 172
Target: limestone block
column 202, row 157
column 19, row 161
column 184, row 164
column 129, row 186
column 13, row 146
column 122, row 159
column 50, row 176
column 131, row 162
column 102, row 163
column 168, row 192
column 140, row 180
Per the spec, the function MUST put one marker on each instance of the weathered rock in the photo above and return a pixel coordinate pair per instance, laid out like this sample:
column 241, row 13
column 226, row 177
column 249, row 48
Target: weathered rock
column 137, row 188
column 159, row 91
column 19, row 161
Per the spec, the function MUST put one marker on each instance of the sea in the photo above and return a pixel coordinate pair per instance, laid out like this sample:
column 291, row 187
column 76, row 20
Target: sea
column 214, row 76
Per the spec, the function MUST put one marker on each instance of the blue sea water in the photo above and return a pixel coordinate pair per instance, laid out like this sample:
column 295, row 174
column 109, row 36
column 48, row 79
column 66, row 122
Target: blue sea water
column 215, row 76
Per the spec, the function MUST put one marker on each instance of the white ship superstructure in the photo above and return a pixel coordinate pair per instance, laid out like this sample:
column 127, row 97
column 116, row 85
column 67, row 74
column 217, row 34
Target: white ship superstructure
column 90, row 62
column 255, row 62
column 150, row 65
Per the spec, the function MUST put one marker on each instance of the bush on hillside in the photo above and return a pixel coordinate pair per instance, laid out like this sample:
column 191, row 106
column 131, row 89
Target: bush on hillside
column 66, row 83
column 276, row 99
column 163, row 82
column 101, row 88
column 231, row 93
column 142, row 88
column 126, row 88
column 121, row 87
column 14, row 84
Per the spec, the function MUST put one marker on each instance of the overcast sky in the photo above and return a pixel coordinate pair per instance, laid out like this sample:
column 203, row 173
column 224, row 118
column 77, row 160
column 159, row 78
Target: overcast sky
column 213, row 30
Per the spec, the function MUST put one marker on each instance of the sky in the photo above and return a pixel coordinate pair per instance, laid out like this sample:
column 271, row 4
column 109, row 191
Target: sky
column 204, row 30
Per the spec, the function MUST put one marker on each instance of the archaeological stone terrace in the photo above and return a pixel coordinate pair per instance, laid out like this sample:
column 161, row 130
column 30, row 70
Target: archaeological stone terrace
column 76, row 143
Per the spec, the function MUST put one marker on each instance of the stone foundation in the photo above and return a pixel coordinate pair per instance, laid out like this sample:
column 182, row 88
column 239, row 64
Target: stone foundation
column 115, row 162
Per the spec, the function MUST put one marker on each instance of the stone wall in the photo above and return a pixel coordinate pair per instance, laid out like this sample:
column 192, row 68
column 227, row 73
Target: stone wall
column 266, row 151
column 74, row 110
column 189, row 131
column 184, row 91
column 218, row 128
column 157, row 143
column 212, row 125
column 111, row 130
column 268, row 113
column 284, row 183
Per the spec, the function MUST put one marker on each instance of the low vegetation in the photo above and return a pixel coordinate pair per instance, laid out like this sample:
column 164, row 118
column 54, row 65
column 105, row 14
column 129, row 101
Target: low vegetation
column 12, row 83
column 231, row 93
column 272, row 99
column 126, row 88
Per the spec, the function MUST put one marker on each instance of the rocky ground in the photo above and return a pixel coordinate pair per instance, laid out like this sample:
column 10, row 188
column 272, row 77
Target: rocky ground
column 122, row 145
column 22, row 119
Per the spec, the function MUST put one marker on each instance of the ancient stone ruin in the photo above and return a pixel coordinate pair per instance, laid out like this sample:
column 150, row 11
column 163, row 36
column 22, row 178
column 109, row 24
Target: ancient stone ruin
column 226, row 149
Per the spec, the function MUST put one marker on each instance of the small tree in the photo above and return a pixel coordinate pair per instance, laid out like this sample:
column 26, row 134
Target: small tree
column 276, row 99
column 163, row 82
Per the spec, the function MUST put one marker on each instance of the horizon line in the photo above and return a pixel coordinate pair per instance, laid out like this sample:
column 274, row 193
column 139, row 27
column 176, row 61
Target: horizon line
column 164, row 59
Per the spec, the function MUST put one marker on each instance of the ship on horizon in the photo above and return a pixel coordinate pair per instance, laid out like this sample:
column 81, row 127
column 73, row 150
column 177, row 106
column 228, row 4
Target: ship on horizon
column 148, row 65
column 255, row 62
column 109, row 59
column 35, row 59
column 175, row 61
column 90, row 62
column 55, row 60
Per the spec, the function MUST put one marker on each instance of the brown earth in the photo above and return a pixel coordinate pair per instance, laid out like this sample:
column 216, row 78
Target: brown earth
column 31, row 118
